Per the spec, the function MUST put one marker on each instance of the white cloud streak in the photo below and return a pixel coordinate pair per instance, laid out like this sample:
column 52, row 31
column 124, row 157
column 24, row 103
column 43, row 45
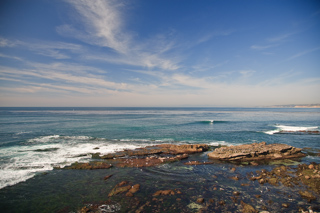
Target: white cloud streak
column 104, row 27
column 304, row 53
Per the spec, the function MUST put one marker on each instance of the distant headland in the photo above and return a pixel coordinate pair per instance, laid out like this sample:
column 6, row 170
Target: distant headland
column 297, row 106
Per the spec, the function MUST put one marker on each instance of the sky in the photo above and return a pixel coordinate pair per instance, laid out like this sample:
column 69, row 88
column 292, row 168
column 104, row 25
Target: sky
column 159, row 53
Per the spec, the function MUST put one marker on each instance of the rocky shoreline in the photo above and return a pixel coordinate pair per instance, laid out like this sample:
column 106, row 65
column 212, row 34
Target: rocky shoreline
column 256, row 152
column 305, row 177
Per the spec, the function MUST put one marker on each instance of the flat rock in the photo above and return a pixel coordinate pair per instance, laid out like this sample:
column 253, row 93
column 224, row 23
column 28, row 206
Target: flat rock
column 172, row 149
column 256, row 151
column 89, row 166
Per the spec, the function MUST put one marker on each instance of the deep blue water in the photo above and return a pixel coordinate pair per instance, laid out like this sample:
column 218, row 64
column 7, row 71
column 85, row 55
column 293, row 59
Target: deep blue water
column 34, row 140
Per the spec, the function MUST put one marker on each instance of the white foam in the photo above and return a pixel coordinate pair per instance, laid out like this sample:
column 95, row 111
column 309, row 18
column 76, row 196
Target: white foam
column 219, row 143
column 23, row 162
column 43, row 139
column 284, row 128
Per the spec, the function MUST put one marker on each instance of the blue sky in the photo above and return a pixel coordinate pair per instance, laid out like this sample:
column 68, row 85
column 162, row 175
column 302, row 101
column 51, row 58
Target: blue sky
column 159, row 52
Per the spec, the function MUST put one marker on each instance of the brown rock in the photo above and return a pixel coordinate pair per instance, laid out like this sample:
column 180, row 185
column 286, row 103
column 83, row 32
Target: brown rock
column 234, row 178
column 147, row 162
column 308, row 195
column 118, row 190
column 184, row 148
column 164, row 192
column 197, row 163
column 129, row 194
column 107, row 177
column 89, row 166
column 262, row 181
column 256, row 151
column 134, row 188
column 273, row 181
column 285, row 205
column 222, row 202
column 122, row 183
column 236, row 193
column 200, row 200
column 246, row 208
column 253, row 163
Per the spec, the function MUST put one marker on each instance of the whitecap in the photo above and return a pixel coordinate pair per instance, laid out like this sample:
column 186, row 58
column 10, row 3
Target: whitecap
column 43, row 139
column 292, row 129
column 24, row 161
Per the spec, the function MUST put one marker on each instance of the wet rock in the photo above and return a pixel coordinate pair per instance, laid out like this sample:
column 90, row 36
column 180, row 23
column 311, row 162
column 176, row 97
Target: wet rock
column 160, row 149
column 285, row 205
column 222, row 203
column 308, row 195
column 129, row 194
column 200, row 200
column 197, row 163
column 122, row 183
column 235, row 178
column 256, row 151
column 107, row 177
column 236, row 193
column 253, row 163
column 147, row 162
column 262, row 181
column 184, row 148
column 118, row 190
column 140, row 209
column 164, row 192
column 90, row 165
column 135, row 188
column 247, row 208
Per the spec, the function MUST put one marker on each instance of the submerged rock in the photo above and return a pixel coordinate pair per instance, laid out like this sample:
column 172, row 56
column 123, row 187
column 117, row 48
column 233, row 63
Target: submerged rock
column 164, row 192
column 124, row 187
column 90, row 165
column 308, row 195
column 255, row 152
column 246, row 208
column 200, row 200
column 197, row 163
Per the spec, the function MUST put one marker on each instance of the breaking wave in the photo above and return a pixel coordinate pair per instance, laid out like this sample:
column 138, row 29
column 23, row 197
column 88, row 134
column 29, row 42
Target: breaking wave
column 282, row 129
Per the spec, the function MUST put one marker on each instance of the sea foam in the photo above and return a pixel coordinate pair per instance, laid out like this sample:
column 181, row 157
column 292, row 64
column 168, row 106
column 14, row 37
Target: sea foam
column 22, row 162
column 291, row 129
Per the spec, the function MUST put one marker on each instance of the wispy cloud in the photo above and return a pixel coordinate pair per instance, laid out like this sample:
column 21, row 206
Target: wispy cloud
column 281, row 37
column 56, row 50
column 214, row 34
column 104, row 27
column 258, row 47
column 304, row 53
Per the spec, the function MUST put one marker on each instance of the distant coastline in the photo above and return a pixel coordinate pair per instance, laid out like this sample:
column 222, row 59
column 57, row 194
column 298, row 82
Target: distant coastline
column 297, row 106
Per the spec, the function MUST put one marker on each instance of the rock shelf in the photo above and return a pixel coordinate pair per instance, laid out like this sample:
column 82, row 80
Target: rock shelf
column 255, row 152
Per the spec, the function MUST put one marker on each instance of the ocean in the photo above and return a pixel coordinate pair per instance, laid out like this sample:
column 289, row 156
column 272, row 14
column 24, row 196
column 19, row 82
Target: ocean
column 35, row 140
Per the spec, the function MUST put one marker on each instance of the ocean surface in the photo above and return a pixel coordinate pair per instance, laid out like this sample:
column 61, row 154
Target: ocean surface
column 35, row 140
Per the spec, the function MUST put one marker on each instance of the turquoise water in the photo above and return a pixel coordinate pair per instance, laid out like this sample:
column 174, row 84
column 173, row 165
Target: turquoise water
column 34, row 140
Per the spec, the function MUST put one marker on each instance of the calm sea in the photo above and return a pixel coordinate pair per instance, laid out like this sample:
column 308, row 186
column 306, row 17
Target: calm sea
column 34, row 140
